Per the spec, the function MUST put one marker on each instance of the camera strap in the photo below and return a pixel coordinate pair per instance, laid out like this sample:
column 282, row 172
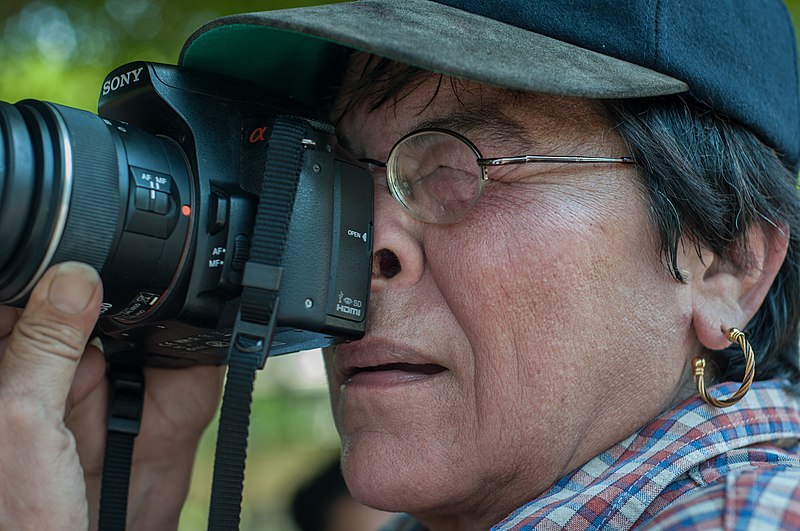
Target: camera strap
column 255, row 323
column 126, row 398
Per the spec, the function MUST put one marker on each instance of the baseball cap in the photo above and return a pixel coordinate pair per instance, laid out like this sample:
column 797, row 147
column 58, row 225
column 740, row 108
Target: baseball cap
column 738, row 57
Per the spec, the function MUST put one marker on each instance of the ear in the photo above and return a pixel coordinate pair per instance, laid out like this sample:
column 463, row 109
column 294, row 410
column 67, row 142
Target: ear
column 727, row 295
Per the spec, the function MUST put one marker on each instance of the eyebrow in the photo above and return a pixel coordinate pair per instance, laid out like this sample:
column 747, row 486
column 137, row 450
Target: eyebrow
column 492, row 124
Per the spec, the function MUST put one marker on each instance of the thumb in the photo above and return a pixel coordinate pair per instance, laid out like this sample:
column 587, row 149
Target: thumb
column 49, row 338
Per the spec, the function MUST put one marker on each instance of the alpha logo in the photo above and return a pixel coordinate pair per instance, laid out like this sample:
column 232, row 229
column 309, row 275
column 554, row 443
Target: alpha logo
column 259, row 134
column 122, row 80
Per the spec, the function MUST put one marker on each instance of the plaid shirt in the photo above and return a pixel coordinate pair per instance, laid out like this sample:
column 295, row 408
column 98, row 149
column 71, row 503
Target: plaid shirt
column 694, row 467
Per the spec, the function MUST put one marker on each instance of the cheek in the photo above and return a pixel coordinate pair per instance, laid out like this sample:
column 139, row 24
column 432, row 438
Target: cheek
column 526, row 259
column 555, row 289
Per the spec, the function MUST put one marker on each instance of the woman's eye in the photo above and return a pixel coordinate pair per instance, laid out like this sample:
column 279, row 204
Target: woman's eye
column 447, row 184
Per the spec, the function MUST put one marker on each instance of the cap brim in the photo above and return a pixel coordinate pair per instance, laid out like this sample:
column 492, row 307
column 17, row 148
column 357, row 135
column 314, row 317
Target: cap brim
column 289, row 51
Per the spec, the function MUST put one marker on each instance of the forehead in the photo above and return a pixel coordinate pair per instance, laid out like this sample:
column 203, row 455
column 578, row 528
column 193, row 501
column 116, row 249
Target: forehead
column 378, row 94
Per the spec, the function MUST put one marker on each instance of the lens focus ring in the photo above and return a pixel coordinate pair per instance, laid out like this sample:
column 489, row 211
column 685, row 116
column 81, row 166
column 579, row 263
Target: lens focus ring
column 95, row 206
column 63, row 180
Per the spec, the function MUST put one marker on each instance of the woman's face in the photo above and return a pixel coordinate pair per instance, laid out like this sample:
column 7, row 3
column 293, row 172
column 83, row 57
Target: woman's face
column 507, row 349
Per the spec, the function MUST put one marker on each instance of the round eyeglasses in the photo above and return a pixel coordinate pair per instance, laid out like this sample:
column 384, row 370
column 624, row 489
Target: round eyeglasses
column 438, row 175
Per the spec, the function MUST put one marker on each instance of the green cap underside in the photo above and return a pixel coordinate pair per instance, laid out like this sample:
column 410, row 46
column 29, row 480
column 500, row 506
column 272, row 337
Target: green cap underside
column 284, row 62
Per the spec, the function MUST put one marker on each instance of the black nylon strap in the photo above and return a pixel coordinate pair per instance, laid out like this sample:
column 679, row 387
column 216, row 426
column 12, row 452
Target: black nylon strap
column 126, row 400
column 255, row 324
column 231, row 450
column 116, row 476
column 276, row 201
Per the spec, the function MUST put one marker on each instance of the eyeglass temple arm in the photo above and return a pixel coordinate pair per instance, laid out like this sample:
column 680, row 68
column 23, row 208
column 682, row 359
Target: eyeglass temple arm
column 373, row 162
column 524, row 159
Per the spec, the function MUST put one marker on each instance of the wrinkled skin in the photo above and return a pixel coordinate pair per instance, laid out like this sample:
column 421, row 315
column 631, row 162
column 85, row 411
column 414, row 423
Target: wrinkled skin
column 538, row 331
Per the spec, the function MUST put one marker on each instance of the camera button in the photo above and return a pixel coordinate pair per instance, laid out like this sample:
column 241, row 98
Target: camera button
column 161, row 205
column 141, row 201
column 218, row 212
column 241, row 252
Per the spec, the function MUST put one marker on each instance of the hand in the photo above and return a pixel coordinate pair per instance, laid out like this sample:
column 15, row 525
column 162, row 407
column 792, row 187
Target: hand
column 43, row 485
column 178, row 406
column 46, row 375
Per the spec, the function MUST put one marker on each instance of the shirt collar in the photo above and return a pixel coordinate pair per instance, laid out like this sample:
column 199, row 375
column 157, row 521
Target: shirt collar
column 619, row 484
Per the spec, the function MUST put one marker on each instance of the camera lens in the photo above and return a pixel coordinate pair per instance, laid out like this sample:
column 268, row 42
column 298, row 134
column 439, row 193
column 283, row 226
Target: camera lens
column 74, row 186
column 59, row 191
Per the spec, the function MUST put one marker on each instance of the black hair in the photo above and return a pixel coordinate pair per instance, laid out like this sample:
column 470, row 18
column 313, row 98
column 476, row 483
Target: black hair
column 709, row 180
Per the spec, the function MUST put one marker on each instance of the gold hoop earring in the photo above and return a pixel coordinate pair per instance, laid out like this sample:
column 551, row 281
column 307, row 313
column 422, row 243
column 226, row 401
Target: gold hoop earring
column 734, row 335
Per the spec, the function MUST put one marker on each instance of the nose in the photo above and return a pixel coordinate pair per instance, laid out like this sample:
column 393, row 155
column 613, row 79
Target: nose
column 398, row 259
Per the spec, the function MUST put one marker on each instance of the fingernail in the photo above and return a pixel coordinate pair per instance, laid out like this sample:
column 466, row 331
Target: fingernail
column 97, row 342
column 73, row 286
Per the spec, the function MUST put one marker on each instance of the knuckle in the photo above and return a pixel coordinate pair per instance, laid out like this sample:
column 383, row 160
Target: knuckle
column 50, row 336
column 26, row 421
column 21, row 416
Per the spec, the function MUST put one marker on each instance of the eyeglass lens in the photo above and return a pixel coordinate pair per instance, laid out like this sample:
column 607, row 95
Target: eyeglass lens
column 435, row 175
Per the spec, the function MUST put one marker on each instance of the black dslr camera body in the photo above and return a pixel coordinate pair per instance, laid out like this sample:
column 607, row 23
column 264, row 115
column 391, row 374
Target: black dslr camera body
column 159, row 193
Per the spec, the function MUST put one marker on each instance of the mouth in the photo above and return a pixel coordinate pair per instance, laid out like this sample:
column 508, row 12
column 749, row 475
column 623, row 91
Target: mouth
column 425, row 369
column 378, row 363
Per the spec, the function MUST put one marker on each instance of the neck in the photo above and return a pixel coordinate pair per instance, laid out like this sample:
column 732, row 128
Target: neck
column 480, row 521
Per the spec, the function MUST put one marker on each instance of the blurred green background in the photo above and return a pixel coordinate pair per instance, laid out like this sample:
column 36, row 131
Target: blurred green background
column 60, row 50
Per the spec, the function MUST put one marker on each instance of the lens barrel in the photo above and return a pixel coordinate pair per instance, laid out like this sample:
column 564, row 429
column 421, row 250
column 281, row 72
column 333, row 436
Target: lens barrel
column 74, row 186
column 59, row 192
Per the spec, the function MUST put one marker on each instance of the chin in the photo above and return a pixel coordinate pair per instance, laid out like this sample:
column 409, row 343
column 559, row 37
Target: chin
column 393, row 480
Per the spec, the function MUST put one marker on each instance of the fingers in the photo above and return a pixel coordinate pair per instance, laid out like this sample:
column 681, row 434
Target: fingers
column 49, row 338
column 91, row 372
column 8, row 318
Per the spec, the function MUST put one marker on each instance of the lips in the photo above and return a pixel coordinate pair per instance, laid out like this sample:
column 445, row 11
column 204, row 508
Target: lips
column 371, row 362
column 417, row 368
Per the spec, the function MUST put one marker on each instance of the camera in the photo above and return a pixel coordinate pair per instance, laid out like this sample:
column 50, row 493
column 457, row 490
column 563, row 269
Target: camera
column 160, row 191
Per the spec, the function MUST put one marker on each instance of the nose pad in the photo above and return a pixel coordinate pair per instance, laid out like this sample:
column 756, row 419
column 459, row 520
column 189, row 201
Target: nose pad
column 385, row 264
